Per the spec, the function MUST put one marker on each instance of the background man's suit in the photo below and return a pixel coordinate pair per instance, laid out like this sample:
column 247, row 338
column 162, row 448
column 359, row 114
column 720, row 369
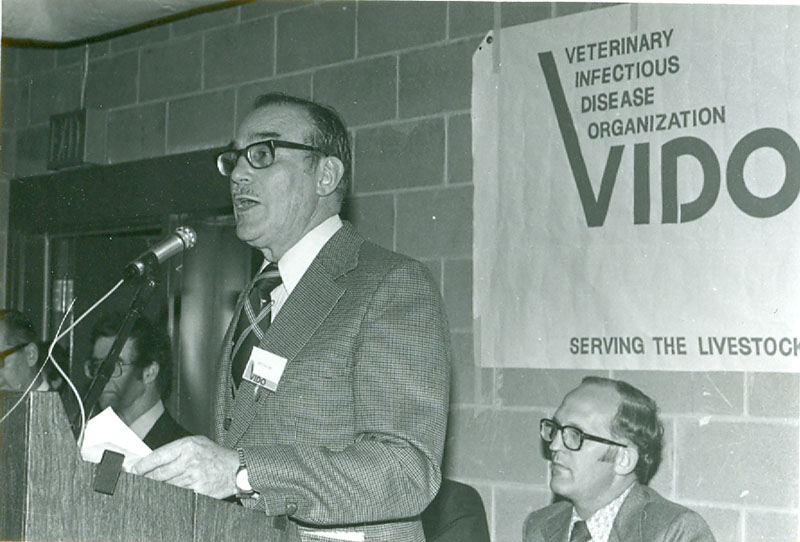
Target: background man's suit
column 357, row 423
column 645, row 516
column 165, row 430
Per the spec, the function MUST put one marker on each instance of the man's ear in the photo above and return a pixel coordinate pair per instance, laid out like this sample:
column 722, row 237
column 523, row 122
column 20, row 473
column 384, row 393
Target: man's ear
column 150, row 373
column 31, row 353
column 331, row 170
column 626, row 460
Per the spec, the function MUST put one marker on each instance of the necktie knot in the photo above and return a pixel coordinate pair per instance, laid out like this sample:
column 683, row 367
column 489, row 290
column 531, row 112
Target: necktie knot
column 267, row 280
column 580, row 532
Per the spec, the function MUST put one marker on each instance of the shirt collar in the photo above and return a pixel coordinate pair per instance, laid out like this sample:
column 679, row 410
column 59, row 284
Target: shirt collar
column 144, row 423
column 296, row 261
column 602, row 521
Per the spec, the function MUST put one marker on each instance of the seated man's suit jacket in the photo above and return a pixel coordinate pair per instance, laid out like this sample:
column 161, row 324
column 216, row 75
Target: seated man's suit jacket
column 645, row 516
column 165, row 430
column 456, row 514
column 353, row 436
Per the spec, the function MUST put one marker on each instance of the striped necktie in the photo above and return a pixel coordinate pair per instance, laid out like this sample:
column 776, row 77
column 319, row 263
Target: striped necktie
column 254, row 319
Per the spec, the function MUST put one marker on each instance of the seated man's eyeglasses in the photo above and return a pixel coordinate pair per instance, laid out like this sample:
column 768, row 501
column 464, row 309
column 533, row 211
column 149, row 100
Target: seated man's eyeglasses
column 8, row 351
column 92, row 366
column 571, row 436
column 259, row 155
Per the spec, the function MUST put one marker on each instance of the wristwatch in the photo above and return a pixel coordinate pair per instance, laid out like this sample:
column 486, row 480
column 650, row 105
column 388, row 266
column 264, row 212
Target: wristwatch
column 243, row 487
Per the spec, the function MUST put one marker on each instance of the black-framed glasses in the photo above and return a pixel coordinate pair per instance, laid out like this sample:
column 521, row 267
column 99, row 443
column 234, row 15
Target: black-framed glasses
column 92, row 365
column 571, row 436
column 259, row 155
column 8, row 351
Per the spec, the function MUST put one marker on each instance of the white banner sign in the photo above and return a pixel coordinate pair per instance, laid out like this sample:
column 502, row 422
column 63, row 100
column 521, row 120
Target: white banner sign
column 636, row 174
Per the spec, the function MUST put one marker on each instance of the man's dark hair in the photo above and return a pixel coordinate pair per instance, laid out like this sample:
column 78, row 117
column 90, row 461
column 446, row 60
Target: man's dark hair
column 330, row 134
column 150, row 344
column 636, row 420
column 19, row 328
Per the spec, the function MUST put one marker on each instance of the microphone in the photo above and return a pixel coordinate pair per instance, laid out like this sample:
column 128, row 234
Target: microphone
column 173, row 244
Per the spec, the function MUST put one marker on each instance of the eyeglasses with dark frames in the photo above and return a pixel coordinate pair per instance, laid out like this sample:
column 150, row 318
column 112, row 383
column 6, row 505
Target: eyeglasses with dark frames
column 571, row 436
column 8, row 351
column 259, row 155
column 92, row 365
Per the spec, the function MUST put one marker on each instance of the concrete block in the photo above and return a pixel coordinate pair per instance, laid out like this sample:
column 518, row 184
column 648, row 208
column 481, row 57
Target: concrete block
column 435, row 223
column 363, row 92
column 544, row 388
column 315, row 36
column 112, row 81
column 374, row 217
column 685, row 392
column 737, row 463
column 436, row 79
column 9, row 61
column 390, row 26
column 512, row 505
column 170, row 69
column 57, row 91
column 70, row 55
column 568, row 8
column 205, row 21
column 459, row 149
column 725, row 524
column 471, row 18
column 238, row 54
column 773, row 395
column 458, row 293
column 201, row 121
column 32, row 148
column 33, row 60
column 262, row 8
column 4, row 192
column 764, row 526
column 494, row 444
column 8, row 155
column 137, row 132
column 398, row 156
column 139, row 38
column 294, row 85
column 514, row 13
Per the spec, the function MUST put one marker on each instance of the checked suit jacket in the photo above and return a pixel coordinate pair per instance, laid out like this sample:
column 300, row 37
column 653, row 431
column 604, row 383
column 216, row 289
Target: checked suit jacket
column 645, row 516
column 352, row 439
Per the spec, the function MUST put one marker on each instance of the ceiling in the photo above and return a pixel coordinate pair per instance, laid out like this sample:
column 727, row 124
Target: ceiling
column 63, row 21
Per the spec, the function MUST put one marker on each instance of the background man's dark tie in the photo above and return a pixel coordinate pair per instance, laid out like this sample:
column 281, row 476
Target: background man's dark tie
column 580, row 532
column 254, row 319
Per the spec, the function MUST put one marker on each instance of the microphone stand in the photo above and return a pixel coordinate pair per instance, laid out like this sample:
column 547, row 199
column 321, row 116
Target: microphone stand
column 142, row 297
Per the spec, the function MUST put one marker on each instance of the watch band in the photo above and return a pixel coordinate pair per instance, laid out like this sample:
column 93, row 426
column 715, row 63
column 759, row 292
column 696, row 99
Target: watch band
column 243, row 487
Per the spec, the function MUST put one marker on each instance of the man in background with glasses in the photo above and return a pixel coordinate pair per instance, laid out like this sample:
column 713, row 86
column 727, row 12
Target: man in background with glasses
column 335, row 413
column 141, row 379
column 604, row 444
column 19, row 354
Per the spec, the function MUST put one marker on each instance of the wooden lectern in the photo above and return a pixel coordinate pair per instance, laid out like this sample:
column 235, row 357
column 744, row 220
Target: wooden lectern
column 46, row 492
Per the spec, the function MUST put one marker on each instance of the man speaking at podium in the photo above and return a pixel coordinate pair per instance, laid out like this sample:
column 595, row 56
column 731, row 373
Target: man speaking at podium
column 332, row 392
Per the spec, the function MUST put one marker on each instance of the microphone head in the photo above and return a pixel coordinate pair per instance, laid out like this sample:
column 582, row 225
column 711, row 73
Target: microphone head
column 187, row 235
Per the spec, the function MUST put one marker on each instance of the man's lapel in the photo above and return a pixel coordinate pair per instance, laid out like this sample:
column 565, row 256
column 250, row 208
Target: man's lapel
column 556, row 529
column 305, row 309
column 628, row 525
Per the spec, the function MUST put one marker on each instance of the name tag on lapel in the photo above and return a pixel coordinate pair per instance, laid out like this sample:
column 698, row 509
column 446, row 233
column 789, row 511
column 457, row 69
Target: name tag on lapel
column 264, row 369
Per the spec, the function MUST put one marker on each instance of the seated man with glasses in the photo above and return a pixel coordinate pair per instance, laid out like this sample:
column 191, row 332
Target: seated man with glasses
column 605, row 444
column 19, row 354
column 141, row 380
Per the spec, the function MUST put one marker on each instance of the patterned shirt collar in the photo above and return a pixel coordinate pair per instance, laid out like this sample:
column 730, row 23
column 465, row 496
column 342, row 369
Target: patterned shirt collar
column 602, row 521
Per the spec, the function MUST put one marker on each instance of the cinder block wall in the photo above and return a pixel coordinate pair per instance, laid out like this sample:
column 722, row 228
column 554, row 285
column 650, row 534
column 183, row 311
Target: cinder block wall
column 400, row 72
